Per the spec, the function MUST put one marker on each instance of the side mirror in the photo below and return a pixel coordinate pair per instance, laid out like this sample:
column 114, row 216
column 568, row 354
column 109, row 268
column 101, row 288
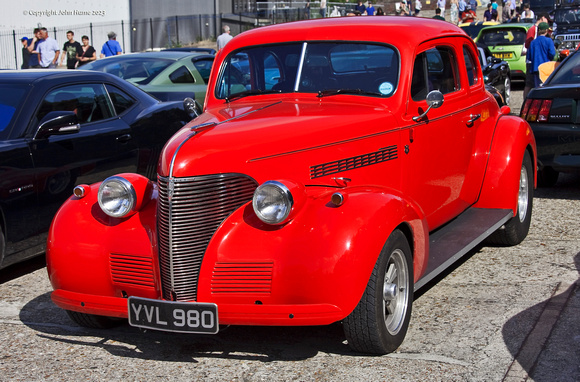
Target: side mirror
column 58, row 123
column 191, row 107
column 434, row 100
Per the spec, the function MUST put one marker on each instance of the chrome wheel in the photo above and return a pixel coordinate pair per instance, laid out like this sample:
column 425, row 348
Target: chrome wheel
column 507, row 89
column 395, row 292
column 523, row 195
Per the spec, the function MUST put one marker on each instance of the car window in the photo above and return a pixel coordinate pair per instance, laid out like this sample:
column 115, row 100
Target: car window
column 434, row 69
column 140, row 70
column 121, row 100
column 11, row 97
column 359, row 68
column 503, row 36
column 471, row 66
column 203, row 66
column 181, row 75
column 568, row 72
column 89, row 101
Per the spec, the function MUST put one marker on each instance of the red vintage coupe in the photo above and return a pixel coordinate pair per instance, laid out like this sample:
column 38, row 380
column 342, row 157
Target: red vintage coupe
column 337, row 168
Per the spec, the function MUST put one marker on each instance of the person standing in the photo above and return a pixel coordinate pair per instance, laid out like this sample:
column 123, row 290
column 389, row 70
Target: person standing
column 360, row 8
column 224, row 38
column 25, row 53
column 541, row 50
column 70, row 50
column 34, row 60
column 441, row 5
column 111, row 47
column 454, row 8
column 370, row 9
column 86, row 53
column 530, row 36
column 307, row 10
column 48, row 49
column 461, row 6
column 473, row 5
column 418, row 7
column 323, row 8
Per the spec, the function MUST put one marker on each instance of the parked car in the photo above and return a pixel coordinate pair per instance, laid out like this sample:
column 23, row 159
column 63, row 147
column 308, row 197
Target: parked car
column 506, row 41
column 473, row 28
column 167, row 75
column 63, row 128
column 191, row 49
column 496, row 73
column 331, row 195
column 552, row 113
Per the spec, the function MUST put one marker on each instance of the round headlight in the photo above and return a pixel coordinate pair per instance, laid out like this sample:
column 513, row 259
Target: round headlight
column 117, row 196
column 272, row 202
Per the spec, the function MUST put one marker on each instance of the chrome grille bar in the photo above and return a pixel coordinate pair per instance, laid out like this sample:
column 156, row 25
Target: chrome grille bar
column 189, row 212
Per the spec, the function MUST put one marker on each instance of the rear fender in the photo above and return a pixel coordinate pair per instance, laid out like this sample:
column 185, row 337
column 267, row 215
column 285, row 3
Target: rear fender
column 325, row 254
column 501, row 183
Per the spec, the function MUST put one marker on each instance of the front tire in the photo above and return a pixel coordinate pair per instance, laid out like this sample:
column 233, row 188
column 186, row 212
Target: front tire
column 516, row 229
column 379, row 323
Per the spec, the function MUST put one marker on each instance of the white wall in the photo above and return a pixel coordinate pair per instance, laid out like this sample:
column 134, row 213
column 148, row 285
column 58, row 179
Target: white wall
column 60, row 13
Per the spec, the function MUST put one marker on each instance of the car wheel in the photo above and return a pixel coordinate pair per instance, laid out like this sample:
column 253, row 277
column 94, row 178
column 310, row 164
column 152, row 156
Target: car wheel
column 380, row 321
column 507, row 90
column 516, row 229
column 93, row 321
column 547, row 177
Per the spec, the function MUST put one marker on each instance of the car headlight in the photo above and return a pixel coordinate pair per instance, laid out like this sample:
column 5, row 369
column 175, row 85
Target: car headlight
column 272, row 202
column 117, row 197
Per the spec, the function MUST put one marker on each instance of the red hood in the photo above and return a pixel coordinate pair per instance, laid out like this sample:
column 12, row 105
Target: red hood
column 233, row 138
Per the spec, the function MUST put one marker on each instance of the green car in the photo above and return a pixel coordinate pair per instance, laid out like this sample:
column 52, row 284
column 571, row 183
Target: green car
column 166, row 75
column 506, row 41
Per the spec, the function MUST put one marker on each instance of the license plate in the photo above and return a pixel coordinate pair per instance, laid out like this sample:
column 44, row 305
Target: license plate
column 170, row 316
column 503, row 56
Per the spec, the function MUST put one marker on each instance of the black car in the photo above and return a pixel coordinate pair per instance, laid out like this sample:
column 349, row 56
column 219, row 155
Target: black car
column 553, row 113
column 496, row 72
column 63, row 128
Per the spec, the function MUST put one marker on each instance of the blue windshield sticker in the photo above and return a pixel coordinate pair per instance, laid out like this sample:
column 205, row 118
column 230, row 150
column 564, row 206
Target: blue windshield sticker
column 386, row 88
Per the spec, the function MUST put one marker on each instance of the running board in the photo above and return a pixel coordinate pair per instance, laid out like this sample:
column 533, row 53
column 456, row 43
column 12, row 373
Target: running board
column 452, row 241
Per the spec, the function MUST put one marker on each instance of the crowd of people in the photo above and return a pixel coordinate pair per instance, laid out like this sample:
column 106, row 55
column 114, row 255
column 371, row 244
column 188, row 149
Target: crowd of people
column 43, row 52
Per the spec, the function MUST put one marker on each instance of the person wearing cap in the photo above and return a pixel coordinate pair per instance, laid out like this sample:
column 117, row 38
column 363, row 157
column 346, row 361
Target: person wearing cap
column 111, row 47
column 541, row 50
column 25, row 53
column 530, row 36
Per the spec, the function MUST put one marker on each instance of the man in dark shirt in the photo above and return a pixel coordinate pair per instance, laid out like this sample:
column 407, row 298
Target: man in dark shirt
column 25, row 53
column 70, row 49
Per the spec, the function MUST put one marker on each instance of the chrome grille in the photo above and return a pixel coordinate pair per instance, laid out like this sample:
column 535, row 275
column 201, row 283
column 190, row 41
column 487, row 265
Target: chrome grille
column 189, row 212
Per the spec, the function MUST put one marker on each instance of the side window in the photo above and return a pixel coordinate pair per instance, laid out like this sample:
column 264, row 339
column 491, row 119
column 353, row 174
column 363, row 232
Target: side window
column 470, row 66
column 121, row 100
column 89, row 101
column 181, row 75
column 236, row 77
column 434, row 69
column 203, row 66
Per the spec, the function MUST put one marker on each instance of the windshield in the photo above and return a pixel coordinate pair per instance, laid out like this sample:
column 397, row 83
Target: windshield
column 568, row 72
column 355, row 68
column 138, row 70
column 503, row 36
column 562, row 17
column 11, row 96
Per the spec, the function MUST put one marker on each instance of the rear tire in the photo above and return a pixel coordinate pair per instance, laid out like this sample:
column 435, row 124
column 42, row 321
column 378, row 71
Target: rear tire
column 379, row 323
column 93, row 321
column 516, row 229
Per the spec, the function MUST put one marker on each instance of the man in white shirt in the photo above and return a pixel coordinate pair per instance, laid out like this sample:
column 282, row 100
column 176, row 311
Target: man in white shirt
column 48, row 49
column 224, row 38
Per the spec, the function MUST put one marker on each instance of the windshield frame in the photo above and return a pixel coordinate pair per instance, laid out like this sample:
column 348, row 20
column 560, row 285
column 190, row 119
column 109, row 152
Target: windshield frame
column 304, row 58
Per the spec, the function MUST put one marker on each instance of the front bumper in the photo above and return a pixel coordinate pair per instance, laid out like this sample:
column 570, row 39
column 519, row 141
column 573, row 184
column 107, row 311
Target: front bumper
column 558, row 146
column 229, row 314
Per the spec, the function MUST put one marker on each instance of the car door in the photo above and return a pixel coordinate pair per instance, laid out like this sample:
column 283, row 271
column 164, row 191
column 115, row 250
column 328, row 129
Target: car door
column 103, row 146
column 440, row 143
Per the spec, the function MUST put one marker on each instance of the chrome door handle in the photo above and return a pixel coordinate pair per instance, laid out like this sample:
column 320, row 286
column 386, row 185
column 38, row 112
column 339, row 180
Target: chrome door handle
column 473, row 118
column 124, row 138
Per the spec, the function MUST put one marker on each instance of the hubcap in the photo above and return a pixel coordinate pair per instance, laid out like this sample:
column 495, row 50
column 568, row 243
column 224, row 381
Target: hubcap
column 523, row 195
column 395, row 292
column 507, row 91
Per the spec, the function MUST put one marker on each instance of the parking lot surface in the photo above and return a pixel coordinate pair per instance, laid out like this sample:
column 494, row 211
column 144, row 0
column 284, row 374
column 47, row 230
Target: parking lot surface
column 503, row 314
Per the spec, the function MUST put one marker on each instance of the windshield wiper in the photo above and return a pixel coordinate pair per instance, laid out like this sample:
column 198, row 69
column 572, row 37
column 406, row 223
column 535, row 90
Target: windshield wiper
column 324, row 93
column 250, row 93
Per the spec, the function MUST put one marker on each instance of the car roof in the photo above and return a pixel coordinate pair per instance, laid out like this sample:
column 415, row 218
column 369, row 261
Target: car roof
column 164, row 54
column 386, row 29
column 36, row 75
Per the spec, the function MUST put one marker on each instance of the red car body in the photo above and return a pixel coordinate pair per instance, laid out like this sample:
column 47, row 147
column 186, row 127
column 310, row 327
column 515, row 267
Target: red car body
column 358, row 166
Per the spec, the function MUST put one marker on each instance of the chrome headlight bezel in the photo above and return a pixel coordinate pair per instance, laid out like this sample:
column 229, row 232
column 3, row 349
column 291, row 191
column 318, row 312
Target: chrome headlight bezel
column 117, row 197
column 273, row 202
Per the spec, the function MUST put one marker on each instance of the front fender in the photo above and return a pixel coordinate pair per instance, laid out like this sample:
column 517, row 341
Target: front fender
column 325, row 255
column 501, row 183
